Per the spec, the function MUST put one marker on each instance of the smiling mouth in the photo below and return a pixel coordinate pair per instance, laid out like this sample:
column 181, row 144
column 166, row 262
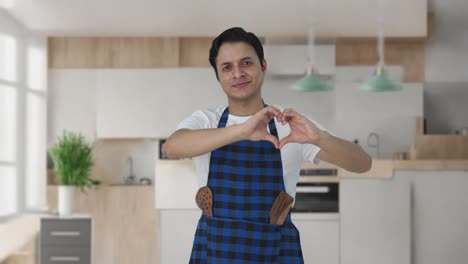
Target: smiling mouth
column 241, row 85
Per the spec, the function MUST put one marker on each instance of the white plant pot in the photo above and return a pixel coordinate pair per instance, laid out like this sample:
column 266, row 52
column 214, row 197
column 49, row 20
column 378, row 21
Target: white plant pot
column 66, row 200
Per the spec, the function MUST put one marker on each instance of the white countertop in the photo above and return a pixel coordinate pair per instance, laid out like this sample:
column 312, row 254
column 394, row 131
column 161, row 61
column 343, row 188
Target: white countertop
column 315, row 216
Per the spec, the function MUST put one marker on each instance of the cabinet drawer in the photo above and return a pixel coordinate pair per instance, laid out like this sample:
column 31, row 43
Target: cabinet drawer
column 65, row 255
column 65, row 232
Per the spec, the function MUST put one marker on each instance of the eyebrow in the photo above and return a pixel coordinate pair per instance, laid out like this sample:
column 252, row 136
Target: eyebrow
column 245, row 58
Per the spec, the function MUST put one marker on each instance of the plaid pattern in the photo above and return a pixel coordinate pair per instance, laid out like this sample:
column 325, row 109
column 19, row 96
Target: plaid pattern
column 245, row 178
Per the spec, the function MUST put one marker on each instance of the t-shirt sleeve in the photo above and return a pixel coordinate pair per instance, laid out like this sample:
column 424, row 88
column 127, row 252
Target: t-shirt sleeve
column 310, row 151
column 198, row 120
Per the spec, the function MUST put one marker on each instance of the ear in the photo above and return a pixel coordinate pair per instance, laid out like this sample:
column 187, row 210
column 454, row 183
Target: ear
column 264, row 65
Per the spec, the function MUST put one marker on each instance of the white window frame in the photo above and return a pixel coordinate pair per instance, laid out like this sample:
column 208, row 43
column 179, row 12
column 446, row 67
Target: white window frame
column 24, row 41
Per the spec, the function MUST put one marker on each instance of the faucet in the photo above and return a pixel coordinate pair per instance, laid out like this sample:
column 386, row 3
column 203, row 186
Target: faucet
column 373, row 142
column 130, row 179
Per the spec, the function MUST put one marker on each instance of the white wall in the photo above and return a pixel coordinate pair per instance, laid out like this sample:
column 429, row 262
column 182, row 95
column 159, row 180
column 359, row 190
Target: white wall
column 446, row 51
column 446, row 87
column 445, row 107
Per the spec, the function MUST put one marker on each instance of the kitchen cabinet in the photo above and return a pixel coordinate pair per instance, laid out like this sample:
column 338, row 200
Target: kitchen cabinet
column 439, row 215
column 175, row 184
column 65, row 240
column 149, row 103
column 177, row 233
column 124, row 222
column 320, row 237
column 175, row 190
column 375, row 220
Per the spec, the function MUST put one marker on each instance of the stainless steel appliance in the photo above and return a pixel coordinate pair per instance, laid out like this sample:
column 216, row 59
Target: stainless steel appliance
column 317, row 197
column 316, row 216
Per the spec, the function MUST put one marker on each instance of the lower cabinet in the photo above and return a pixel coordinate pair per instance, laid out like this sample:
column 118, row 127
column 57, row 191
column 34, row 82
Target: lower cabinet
column 177, row 233
column 65, row 240
column 320, row 237
column 375, row 221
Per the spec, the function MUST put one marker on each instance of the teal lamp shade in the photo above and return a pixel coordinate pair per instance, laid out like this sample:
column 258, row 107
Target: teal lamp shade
column 380, row 83
column 311, row 83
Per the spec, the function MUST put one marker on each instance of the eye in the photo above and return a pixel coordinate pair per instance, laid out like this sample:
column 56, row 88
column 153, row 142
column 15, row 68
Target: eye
column 248, row 62
column 226, row 67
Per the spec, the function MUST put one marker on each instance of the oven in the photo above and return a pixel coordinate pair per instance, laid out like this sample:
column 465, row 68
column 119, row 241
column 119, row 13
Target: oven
column 314, row 196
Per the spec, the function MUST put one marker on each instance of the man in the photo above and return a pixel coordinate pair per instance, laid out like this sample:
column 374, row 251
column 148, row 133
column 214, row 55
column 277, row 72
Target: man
column 247, row 153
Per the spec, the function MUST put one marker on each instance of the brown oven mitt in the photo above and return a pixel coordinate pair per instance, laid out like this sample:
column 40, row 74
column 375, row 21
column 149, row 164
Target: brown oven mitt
column 204, row 200
column 280, row 208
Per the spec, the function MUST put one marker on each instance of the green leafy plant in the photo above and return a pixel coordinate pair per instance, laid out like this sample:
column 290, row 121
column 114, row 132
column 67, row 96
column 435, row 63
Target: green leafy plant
column 73, row 160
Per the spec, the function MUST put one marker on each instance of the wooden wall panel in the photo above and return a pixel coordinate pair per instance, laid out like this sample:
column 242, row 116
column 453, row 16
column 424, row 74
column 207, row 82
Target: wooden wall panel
column 72, row 52
column 161, row 52
column 410, row 53
column 194, row 52
column 113, row 52
column 438, row 147
column 444, row 147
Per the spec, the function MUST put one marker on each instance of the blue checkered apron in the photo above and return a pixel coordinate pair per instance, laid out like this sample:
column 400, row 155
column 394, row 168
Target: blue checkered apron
column 245, row 178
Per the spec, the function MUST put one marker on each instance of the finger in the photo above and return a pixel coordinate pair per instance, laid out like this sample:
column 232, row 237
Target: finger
column 285, row 141
column 290, row 114
column 289, row 110
column 285, row 113
column 293, row 114
column 275, row 111
column 273, row 140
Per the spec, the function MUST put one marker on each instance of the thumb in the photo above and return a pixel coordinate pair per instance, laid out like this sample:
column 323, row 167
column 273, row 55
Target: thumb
column 285, row 141
column 273, row 140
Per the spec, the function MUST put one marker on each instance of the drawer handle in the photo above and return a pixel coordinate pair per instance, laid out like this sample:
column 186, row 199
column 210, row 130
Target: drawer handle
column 65, row 233
column 313, row 189
column 65, row 258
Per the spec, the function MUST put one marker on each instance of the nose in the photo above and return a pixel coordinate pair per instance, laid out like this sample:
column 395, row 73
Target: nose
column 238, row 72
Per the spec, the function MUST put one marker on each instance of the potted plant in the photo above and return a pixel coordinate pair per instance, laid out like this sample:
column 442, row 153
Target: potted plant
column 73, row 160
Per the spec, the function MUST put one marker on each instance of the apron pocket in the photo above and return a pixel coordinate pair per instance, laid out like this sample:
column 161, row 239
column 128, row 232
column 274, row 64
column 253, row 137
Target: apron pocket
column 240, row 241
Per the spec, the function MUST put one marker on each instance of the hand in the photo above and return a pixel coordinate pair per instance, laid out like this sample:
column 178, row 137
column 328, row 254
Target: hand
column 256, row 127
column 302, row 129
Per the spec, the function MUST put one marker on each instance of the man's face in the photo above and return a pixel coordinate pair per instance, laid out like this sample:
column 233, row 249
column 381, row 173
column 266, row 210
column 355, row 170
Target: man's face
column 240, row 72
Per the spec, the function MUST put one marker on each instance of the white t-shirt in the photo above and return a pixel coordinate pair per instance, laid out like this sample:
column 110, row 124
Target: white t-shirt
column 292, row 154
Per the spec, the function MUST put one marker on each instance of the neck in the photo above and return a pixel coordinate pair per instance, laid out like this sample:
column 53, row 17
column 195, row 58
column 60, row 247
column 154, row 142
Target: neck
column 245, row 108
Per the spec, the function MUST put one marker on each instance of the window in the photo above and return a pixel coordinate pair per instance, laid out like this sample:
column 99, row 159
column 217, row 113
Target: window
column 23, row 93
column 8, row 126
column 8, row 60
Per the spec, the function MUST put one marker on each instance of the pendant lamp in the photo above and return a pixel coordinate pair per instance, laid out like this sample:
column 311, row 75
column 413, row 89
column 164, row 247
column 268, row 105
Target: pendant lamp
column 380, row 82
column 311, row 82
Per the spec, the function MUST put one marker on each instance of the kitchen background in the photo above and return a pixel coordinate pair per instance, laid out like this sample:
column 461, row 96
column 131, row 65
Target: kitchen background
column 127, row 88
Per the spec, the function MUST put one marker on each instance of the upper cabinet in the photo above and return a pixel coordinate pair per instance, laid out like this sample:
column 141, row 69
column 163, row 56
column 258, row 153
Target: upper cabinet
column 150, row 103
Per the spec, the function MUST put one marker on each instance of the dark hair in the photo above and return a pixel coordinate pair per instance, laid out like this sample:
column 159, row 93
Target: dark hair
column 235, row 34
